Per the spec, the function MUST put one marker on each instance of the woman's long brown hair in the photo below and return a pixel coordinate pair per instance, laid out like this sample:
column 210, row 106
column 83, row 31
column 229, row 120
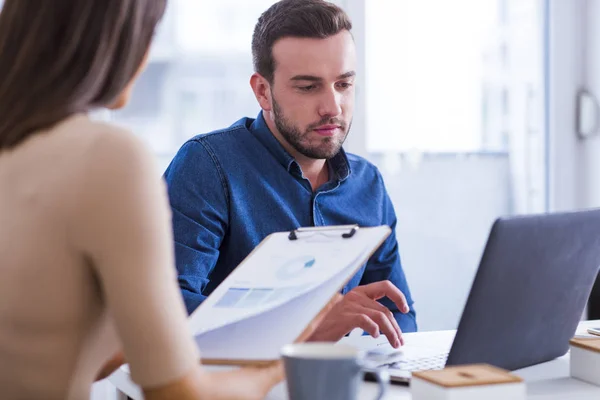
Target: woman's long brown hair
column 60, row 57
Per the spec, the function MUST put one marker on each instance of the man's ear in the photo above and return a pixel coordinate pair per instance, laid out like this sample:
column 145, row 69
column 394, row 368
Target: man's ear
column 262, row 91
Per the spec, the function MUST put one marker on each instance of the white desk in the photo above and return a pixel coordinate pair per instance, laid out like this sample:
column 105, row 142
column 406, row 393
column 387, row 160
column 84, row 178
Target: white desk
column 548, row 381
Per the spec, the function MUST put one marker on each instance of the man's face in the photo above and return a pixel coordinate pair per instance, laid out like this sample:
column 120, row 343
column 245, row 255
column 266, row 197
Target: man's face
column 313, row 92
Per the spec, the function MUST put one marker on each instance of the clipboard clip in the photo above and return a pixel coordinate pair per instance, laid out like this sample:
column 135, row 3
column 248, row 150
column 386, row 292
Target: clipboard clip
column 348, row 231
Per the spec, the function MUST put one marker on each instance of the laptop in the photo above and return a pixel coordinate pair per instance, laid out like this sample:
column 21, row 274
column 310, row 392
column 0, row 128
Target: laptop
column 533, row 282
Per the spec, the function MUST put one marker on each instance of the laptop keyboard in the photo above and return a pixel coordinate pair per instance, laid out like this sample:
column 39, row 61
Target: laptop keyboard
column 420, row 364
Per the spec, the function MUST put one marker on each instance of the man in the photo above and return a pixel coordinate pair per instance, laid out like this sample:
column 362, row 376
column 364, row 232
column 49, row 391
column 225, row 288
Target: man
column 286, row 169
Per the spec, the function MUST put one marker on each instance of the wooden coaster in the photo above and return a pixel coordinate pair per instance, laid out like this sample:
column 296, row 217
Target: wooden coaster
column 591, row 344
column 584, row 363
column 467, row 375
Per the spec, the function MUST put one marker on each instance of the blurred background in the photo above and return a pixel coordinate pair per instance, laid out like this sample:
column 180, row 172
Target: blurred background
column 450, row 107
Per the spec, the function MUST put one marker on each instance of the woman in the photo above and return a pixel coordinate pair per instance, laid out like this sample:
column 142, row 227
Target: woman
column 86, row 260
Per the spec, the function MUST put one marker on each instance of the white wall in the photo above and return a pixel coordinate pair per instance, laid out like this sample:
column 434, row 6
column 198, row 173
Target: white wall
column 443, row 225
column 566, row 76
column 588, row 166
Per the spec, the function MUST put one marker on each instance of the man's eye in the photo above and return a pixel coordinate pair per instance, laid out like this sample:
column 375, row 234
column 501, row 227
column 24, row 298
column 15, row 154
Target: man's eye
column 344, row 85
column 307, row 88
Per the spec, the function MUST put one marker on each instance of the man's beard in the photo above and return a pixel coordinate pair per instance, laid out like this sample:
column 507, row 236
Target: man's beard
column 321, row 148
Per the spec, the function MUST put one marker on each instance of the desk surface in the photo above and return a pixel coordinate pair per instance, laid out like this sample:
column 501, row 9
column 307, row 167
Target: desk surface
column 548, row 381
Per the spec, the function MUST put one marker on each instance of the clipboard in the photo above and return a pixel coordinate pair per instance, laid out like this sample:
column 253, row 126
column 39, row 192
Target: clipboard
column 279, row 288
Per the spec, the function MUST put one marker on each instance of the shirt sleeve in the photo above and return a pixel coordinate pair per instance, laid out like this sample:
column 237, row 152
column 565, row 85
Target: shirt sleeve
column 123, row 227
column 200, row 205
column 385, row 264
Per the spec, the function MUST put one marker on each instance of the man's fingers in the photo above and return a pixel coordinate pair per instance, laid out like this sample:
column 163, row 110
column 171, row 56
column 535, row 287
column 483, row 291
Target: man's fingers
column 375, row 305
column 365, row 323
column 384, row 325
column 377, row 290
column 363, row 300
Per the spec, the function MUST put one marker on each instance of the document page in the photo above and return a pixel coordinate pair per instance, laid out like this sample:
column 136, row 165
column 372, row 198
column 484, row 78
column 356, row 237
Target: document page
column 280, row 270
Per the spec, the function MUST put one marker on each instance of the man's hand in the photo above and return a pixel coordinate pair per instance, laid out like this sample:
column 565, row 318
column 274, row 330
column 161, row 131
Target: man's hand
column 317, row 321
column 359, row 309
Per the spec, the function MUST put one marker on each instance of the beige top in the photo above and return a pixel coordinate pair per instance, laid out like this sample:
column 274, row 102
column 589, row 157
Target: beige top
column 86, row 263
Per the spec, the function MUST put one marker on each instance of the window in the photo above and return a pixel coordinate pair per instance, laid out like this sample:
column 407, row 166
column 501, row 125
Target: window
column 453, row 111
column 197, row 78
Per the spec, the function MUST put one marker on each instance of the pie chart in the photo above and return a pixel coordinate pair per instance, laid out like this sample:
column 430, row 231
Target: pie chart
column 295, row 267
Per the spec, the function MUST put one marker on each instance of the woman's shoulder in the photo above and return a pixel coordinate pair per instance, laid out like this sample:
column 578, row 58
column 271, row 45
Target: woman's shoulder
column 106, row 145
column 115, row 170
column 106, row 161
column 102, row 136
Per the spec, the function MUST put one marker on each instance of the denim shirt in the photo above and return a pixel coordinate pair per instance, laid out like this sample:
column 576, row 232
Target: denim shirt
column 231, row 188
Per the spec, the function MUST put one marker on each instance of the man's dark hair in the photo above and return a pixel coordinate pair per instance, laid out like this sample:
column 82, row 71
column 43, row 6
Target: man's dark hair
column 317, row 19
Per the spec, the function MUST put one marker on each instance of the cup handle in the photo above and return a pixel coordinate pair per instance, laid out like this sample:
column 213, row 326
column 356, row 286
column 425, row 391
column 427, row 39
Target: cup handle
column 383, row 379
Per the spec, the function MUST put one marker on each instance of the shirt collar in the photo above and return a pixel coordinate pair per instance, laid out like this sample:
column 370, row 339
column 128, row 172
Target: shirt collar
column 338, row 164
